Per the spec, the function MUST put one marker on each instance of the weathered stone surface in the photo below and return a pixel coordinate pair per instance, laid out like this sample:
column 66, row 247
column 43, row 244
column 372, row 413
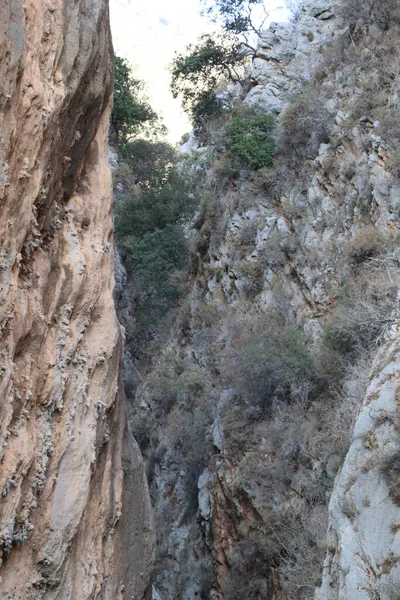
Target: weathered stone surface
column 288, row 53
column 363, row 540
column 72, row 523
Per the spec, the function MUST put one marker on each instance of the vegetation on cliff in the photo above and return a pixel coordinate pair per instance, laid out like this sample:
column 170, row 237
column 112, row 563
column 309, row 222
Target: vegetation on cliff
column 246, row 413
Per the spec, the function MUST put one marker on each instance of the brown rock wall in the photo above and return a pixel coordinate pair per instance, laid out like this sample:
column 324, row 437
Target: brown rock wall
column 68, row 529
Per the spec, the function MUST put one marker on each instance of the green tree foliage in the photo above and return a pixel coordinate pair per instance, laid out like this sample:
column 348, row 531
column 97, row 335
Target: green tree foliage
column 197, row 72
column 131, row 112
column 156, row 206
column 250, row 139
column 153, row 260
column 148, row 160
column 150, row 230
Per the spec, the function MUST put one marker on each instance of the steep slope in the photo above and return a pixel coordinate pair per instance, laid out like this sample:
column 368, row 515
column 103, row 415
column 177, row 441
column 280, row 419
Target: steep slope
column 68, row 512
column 247, row 414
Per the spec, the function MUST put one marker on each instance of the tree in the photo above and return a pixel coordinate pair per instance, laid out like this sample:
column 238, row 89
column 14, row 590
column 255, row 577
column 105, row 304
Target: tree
column 235, row 16
column 151, row 236
column 197, row 71
column 131, row 112
column 149, row 161
column 152, row 263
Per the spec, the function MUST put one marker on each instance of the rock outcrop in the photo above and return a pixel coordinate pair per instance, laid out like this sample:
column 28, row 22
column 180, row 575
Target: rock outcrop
column 289, row 53
column 75, row 518
column 363, row 558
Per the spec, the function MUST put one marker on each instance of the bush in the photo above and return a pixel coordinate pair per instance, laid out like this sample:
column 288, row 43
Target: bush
column 371, row 12
column 368, row 242
column 367, row 308
column 189, row 447
column 390, row 468
column 305, row 124
column 266, row 361
column 250, row 140
column 253, row 278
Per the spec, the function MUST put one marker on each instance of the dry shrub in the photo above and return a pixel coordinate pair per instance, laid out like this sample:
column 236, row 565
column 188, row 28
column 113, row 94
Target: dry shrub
column 370, row 12
column 247, row 234
column 252, row 274
column 368, row 242
column 301, row 568
column 265, row 360
column 272, row 253
column 390, row 468
column 368, row 308
column 305, row 124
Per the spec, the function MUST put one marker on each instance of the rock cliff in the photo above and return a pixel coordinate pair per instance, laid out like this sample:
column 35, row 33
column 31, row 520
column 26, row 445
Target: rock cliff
column 75, row 519
column 245, row 471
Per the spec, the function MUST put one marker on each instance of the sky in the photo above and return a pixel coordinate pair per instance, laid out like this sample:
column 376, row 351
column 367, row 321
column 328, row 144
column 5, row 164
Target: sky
column 148, row 32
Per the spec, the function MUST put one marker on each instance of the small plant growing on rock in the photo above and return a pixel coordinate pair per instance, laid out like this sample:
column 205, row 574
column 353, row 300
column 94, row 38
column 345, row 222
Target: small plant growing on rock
column 250, row 140
column 390, row 469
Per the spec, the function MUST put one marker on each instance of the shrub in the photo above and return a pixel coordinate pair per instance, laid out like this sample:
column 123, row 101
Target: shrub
column 370, row 12
column 390, row 468
column 188, row 445
column 295, row 8
column 247, row 234
column 252, row 274
column 367, row 308
column 265, row 362
column 305, row 123
column 250, row 140
column 368, row 242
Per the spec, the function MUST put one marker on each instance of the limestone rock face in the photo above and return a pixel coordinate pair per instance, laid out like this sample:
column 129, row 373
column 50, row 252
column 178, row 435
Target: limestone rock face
column 363, row 542
column 288, row 54
column 73, row 492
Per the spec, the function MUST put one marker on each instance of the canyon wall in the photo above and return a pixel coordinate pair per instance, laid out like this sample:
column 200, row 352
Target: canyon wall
column 247, row 475
column 75, row 518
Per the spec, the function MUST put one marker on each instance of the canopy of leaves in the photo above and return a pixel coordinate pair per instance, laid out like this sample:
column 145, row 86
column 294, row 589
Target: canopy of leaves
column 150, row 231
column 149, row 161
column 158, row 205
column 250, row 139
column 197, row 72
column 153, row 260
column 131, row 111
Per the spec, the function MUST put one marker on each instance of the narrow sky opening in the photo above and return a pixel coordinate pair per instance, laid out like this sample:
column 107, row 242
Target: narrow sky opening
column 149, row 33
